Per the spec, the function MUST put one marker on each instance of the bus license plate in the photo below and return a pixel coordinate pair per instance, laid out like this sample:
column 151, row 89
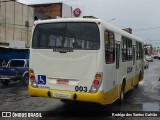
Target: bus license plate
column 61, row 95
column 62, row 81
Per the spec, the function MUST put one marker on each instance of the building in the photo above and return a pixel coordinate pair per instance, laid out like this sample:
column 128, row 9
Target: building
column 52, row 10
column 148, row 49
column 129, row 30
column 16, row 21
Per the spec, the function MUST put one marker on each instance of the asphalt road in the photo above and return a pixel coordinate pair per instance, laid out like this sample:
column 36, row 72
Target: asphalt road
column 145, row 98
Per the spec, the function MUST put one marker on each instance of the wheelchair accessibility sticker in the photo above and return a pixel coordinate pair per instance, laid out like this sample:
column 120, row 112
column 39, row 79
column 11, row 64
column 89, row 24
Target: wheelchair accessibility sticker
column 42, row 79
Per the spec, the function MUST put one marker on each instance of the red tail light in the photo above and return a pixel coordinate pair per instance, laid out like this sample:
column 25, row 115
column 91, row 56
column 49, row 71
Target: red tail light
column 32, row 78
column 96, row 82
column 31, row 74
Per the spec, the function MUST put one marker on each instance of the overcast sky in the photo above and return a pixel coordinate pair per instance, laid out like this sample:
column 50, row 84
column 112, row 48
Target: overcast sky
column 136, row 14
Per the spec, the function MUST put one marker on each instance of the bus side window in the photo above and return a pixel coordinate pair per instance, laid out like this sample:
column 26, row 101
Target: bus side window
column 109, row 47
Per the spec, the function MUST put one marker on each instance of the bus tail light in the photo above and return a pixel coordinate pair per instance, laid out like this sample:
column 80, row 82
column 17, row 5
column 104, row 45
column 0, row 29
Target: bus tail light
column 96, row 83
column 31, row 72
column 98, row 76
column 31, row 75
column 32, row 78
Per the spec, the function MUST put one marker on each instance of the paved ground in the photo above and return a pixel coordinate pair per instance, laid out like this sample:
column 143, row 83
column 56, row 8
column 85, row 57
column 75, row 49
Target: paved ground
column 144, row 98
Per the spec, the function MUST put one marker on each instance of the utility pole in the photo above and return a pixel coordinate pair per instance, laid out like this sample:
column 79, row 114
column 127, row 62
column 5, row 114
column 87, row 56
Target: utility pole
column 14, row 24
column 5, row 24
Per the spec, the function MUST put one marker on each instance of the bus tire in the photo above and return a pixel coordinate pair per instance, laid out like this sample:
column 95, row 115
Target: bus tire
column 25, row 80
column 121, row 99
column 5, row 82
column 136, row 86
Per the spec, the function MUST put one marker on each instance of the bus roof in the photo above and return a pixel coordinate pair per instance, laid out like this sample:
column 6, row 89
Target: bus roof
column 107, row 25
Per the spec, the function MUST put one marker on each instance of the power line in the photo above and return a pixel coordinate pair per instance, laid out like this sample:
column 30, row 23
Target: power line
column 154, row 34
column 153, row 40
column 147, row 29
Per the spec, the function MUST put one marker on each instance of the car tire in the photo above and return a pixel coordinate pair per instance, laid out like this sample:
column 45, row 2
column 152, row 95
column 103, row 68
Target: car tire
column 25, row 80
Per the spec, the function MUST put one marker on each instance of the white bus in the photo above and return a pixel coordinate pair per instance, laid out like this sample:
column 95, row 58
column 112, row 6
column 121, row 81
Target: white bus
column 83, row 59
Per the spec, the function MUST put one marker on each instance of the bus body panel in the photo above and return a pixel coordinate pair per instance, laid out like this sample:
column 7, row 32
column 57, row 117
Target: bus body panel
column 80, row 67
column 80, row 70
column 98, row 97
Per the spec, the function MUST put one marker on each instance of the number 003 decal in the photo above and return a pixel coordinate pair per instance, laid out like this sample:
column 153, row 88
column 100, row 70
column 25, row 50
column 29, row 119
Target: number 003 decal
column 81, row 88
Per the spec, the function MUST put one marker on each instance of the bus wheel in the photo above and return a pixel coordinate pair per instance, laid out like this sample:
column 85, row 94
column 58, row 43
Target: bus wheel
column 136, row 86
column 5, row 82
column 121, row 100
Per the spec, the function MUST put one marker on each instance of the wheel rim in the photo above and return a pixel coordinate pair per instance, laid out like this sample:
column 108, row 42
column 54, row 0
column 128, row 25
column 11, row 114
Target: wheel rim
column 26, row 80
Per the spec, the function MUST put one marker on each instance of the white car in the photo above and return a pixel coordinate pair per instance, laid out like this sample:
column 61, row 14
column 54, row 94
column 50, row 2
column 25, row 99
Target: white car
column 149, row 58
column 159, row 56
column 146, row 64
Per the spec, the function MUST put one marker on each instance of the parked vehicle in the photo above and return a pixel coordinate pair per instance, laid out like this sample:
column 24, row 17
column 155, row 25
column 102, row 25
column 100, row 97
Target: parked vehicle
column 146, row 64
column 159, row 55
column 16, row 69
column 155, row 56
column 149, row 58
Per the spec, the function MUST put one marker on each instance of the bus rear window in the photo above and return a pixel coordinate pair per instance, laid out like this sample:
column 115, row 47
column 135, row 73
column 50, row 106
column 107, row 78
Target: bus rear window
column 75, row 35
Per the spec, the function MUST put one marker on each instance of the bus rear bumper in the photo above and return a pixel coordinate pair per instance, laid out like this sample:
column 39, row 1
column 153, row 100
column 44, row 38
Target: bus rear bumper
column 99, row 97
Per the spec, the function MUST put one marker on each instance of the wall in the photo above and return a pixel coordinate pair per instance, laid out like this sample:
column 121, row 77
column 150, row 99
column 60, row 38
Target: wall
column 66, row 11
column 13, row 17
column 49, row 9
